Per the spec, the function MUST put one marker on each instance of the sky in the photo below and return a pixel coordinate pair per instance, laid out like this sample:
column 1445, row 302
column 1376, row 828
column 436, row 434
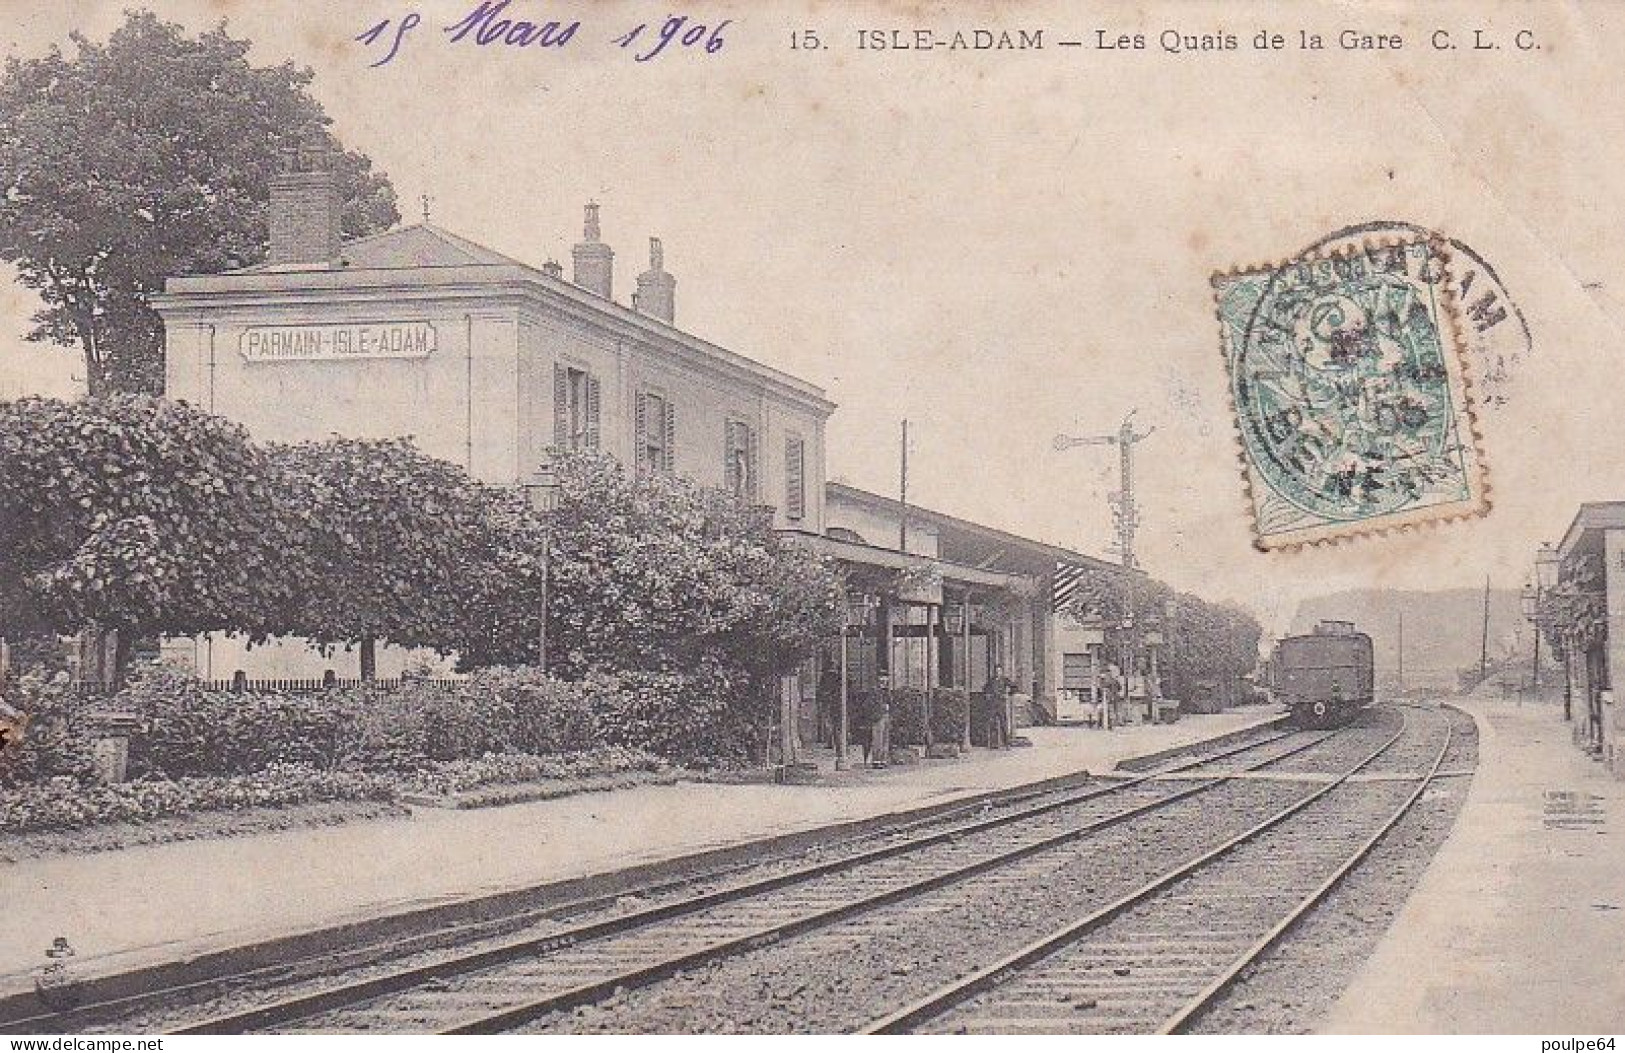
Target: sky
column 1007, row 246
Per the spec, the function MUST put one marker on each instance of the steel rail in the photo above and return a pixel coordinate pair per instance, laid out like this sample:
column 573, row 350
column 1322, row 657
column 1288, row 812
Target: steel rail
column 1187, row 1013
column 957, row 992
column 654, row 972
column 124, row 1005
column 342, row 996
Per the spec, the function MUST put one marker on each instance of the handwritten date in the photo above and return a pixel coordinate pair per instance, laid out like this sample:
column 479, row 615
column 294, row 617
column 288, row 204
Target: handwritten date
column 487, row 26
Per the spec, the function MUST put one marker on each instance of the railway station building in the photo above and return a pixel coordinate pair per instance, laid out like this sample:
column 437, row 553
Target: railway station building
column 1591, row 582
column 489, row 362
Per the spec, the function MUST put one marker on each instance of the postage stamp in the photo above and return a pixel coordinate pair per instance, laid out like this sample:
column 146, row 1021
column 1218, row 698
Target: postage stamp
column 1350, row 383
column 1498, row 338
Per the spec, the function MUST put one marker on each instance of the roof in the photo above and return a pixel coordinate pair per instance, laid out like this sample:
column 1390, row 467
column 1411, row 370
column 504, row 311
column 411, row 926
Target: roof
column 425, row 256
column 1027, row 546
column 420, row 245
column 1592, row 516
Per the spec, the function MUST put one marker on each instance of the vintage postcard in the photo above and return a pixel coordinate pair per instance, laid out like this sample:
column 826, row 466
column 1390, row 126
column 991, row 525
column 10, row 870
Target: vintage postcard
column 782, row 517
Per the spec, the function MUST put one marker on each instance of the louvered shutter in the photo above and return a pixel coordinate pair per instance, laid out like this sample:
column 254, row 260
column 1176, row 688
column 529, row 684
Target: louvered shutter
column 730, row 463
column 753, row 486
column 591, row 437
column 641, row 433
column 561, row 407
column 795, row 492
column 668, row 452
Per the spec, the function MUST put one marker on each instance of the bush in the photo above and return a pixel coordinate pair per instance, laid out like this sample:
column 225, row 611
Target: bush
column 701, row 719
column 907, row 716
column 518, row 710
column 62, row 803
column 949, row 711
column 499, row 769
column 56, row 742
column 191, row 730
column 549, row 716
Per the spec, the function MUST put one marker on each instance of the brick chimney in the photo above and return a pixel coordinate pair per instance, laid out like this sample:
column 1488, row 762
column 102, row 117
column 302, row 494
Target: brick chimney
column 657, row 290
column 594, row 261
column 304, row 210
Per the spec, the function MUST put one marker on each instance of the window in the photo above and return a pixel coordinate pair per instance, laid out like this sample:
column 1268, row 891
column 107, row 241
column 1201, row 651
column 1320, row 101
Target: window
column 655, row 442
column 575, row 408
column 739, row 459
column 795, row 477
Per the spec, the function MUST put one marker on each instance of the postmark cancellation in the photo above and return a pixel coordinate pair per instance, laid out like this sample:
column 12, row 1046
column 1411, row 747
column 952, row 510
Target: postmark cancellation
column 1352, row 398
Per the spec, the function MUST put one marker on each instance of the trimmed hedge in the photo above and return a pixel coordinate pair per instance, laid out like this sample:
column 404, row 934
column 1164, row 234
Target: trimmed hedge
column 949, row 710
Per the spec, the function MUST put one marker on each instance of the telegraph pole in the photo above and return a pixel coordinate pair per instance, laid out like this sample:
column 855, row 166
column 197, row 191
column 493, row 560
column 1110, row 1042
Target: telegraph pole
column 1484, row 637
column 902, row 523
column 1125, row 516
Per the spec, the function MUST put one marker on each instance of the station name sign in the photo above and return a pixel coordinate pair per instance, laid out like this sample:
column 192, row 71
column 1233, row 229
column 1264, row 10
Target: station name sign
column 327, row 343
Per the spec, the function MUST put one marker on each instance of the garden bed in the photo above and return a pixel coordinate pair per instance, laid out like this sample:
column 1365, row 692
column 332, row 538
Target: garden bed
column 192, row 826
column 65, row 816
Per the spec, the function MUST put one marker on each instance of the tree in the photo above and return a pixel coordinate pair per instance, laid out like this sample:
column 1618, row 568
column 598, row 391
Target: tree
column 140, row 517
column 659, row 574
column 411, row 549
column 1205, row 645
column 149, row 156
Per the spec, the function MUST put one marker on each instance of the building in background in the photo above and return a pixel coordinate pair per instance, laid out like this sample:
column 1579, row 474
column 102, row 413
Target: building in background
column 1591, row 597
column 484, row 360
column 939, row 601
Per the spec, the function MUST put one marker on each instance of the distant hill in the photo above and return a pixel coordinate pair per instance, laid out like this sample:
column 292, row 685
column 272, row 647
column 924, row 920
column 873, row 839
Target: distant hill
column 1442, row 628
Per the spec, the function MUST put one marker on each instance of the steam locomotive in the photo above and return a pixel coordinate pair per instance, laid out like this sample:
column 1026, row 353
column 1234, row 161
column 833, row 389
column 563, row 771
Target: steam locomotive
column 1325, row 677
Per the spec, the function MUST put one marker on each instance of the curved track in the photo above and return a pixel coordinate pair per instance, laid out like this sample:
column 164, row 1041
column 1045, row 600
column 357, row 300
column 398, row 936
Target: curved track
column 1155, row 959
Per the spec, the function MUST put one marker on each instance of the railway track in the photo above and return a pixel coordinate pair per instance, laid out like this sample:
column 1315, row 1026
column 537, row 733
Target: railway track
column 1156, row 958
column 502, row 986
column 1260, row 793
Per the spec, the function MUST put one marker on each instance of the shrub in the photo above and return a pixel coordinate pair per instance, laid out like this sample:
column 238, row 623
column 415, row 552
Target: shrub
column 949, row 711
column 62, row 803
column 191, row 730
column 57, row 742
column 493, row 711
column 549, row 716
column 700, row 719
column 497, row 769
column 907, row 716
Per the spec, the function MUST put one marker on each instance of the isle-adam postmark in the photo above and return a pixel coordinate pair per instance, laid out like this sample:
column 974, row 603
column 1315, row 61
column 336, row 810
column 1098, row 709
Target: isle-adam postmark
column 1351, row 394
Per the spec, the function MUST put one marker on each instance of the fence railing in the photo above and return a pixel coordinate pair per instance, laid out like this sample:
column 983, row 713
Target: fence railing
column 246, row 685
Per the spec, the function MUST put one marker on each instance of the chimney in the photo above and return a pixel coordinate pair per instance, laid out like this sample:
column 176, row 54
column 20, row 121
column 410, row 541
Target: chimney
column 552, row 269
column 657, row 290
column 304, row 209
column 594, row 261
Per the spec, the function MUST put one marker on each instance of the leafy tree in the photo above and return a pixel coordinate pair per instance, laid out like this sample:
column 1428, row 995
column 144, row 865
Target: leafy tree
column 1205, row 645
column 148, row 156
column 411, row 549
column 140, row 516
column 660, row 574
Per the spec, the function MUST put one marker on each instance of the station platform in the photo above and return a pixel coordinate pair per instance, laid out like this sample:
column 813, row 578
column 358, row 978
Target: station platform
column 1518, row 926
column 132, row 909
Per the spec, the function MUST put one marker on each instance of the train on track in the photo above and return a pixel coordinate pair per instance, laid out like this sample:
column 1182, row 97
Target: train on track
column 1324, row 677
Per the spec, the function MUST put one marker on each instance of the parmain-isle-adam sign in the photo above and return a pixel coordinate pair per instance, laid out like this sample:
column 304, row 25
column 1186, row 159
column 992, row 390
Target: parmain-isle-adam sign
column 308, row 343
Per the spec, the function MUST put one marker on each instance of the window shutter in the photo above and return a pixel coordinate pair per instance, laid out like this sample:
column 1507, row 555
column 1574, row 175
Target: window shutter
column 795, row 491
column 591, row 438
column 561, row 407
column 668, row 453
column 730, row 463
column 641, row 430
column 753, row 485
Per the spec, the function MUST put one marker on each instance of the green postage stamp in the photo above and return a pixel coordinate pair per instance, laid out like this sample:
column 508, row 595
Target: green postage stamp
column 1352, row 400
